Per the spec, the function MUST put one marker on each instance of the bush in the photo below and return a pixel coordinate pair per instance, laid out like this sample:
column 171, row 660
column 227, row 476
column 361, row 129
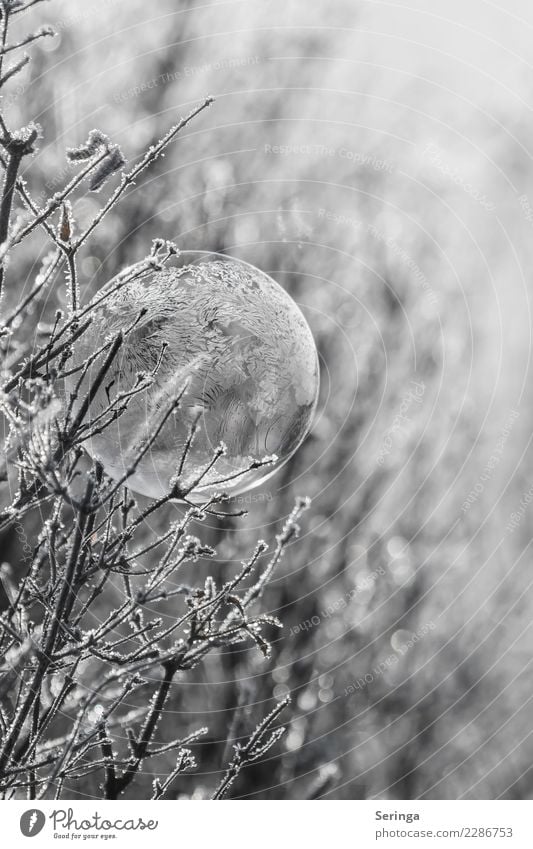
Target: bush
column 85, row 658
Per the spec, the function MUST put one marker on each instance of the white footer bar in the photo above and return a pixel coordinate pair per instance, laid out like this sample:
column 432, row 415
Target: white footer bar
column 268, row 825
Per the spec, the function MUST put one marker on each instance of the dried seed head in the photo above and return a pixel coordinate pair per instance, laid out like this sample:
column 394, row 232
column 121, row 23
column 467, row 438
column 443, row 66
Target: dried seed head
column 111, row 164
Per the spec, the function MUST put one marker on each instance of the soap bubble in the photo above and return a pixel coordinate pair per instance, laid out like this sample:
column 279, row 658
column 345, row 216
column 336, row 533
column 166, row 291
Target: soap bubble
column 239, row 349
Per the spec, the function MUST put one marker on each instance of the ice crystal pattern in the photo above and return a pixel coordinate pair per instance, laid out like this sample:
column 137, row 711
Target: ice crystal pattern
column 229, row 338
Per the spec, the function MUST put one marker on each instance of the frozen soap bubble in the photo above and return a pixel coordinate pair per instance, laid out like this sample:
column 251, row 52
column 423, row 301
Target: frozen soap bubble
column 239, row 346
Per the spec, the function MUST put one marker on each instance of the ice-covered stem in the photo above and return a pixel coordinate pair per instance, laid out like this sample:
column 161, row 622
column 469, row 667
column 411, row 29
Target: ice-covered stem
column 129, row 178
column 139, row 746
column 17, row 147
column 4, row 26
column 19, row 144
column 257, row 745
column 28, row 39
column 185, row 761
column 23, row 7
column 45, row 654
column 290, row 530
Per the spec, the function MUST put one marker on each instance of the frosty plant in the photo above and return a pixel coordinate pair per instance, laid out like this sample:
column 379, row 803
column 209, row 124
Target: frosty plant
column 96, row 624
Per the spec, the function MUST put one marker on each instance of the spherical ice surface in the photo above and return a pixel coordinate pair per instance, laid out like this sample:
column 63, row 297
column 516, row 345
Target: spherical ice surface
column 239, row 347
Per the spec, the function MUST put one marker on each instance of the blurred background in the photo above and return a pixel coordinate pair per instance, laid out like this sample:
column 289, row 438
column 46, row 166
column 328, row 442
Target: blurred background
column 376, row 159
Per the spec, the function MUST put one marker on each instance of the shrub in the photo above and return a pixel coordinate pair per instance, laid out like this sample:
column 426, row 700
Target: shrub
column 83, row 659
